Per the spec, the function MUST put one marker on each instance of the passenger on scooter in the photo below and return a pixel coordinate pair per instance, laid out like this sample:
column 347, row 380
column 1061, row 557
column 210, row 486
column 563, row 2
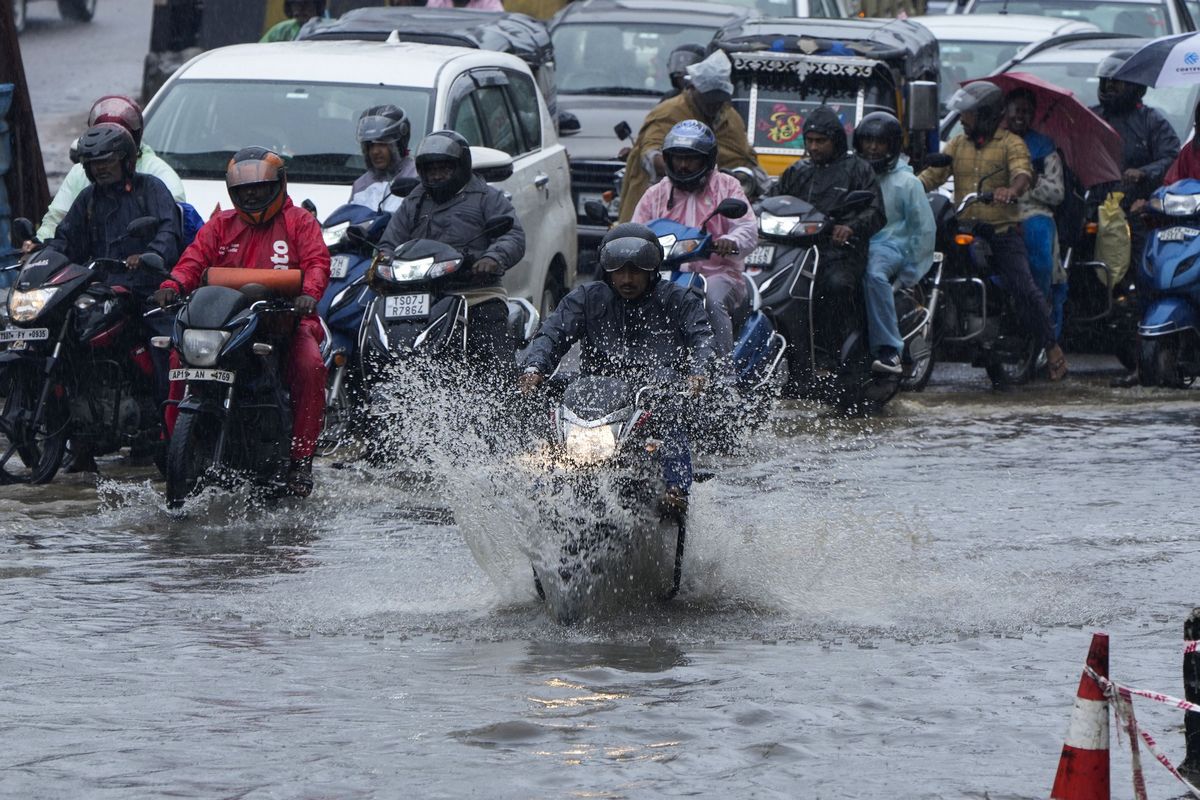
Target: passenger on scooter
column 633, row 325
column 128, row 114
column 988, row 158
column 903, row 250
column 824, row 179
column 383, row 132
column 693, row 190
column 678, row 62
column 265, row 231
column 452, row 205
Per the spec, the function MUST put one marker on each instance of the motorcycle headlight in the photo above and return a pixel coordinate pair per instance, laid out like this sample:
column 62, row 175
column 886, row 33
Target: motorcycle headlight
column 667, row 242
column 683, row 248
column 334, row 233
column 590, row 445
column 28, row 305
column 772, row 225
column 201, row 348
column 405, row 271
column 1181, row 205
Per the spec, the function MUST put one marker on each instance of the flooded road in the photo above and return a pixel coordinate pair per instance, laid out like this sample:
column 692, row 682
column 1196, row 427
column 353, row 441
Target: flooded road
column 891, row 607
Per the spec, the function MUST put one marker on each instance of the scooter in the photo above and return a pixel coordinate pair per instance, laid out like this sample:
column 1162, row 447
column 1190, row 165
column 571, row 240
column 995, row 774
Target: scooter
column 75, row 360
column 1169, row 350
column 612, row 542
column 235, row 418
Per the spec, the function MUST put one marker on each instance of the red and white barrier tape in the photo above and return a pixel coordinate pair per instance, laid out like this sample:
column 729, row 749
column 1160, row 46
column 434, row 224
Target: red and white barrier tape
column 1122, row 701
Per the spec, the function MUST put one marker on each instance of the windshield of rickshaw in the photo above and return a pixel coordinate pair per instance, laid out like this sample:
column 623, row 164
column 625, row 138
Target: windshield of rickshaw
column 775, row 118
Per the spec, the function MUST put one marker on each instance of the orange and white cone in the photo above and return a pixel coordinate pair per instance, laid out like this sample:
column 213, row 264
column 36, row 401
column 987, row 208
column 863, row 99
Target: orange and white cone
column 1083, row 767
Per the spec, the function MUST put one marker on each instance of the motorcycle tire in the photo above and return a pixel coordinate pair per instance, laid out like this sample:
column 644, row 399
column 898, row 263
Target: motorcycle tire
column 189, row 456
column 40, row 449
column 77, row 10
column 916, row 377
column 1015, row 365
column 1127, row 354
column 1158, row 362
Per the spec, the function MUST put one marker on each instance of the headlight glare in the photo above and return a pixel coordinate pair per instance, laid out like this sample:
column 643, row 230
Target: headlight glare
column 28, row 305
column 334, row 233
column 772, row 225
column 590, row 445
column 202, row 347
column 1181, row 205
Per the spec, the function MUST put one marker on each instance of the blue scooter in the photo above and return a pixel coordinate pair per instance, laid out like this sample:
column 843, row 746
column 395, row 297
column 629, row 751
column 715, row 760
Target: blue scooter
column 1169, row 349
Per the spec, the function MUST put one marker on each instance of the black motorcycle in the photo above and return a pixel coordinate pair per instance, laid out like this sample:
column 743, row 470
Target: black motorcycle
column 75, row 362
column 235, row 418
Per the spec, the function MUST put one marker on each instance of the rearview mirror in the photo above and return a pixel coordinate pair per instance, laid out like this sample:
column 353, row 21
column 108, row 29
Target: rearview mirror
column 142, row 228
column 732, row 208
column 22, row 231
column 622, row 130
column 153, row 262
column 595, row 212
column 402, row 186
column 309, row 206
column 921, row 110
column 494, row 166
column 568, row 124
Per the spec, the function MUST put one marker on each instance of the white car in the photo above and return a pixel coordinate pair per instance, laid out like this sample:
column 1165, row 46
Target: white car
column 303, row 99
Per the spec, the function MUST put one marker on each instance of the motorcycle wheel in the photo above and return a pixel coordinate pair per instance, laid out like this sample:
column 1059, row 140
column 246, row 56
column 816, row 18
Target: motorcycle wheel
column 40, row 448
column 1127, row 354
column 339, row 425
column 1158, row 362
column 189, row 456
column 916, row 378
column 1013, row 365
column 77, row 10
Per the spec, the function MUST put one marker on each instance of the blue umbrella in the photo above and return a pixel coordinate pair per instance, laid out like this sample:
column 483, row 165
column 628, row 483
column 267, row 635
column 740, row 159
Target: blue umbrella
column 1169, row 61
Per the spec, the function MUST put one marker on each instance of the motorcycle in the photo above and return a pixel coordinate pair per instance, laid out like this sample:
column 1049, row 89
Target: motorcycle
column 1168, row 353
column 235, row 418
column 834, row 366
column 75, row 362
column 600, row 479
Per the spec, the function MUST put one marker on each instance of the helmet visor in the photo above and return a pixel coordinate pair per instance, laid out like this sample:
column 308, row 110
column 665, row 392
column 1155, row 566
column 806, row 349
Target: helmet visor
column 962, row 100
column 630, row 250
column 255, row 170
column 378, row 129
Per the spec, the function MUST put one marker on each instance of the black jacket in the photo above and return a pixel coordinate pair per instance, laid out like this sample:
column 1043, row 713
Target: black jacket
column 663, row 334
column 824, row 185
column 1148, row 143
column 459, row 222
column 94, row 227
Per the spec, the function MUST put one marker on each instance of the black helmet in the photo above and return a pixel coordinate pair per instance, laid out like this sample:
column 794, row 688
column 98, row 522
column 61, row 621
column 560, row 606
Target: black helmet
column 885, row 126
column 290, row 7
column 106, row 140
column 386, row 123
column 986, row 100
column 693, row 138
column 630, row 243
column 1115, row 95
column 445, row 146
column 683, row 57
column 257, row 165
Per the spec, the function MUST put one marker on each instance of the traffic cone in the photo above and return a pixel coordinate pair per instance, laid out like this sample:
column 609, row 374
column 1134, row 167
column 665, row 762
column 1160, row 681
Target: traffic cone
column 1083, row 767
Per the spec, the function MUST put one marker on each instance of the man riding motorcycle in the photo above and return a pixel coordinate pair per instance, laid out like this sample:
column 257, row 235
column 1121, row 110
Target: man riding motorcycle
column 383, row 132
column 678, row 62
column 452, row 205
column 824, row 179
column 265, row 231
column 128, row 114
column 633, row 325
column 693, row 190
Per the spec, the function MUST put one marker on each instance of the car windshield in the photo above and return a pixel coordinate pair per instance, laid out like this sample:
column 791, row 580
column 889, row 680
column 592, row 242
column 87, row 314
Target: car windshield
column 962, row 60
column 619, row 59
column 198, row 125
column 1130, row 19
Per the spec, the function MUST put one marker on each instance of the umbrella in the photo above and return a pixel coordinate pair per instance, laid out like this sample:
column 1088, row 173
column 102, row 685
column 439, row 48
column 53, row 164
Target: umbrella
column 1091, row 148
column 1169, row 61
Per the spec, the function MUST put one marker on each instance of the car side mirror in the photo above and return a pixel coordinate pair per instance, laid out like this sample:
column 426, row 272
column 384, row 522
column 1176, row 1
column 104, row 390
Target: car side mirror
column 142, row 228
column 403, row 186
column 622, row 130
column 497, row 226
column 595, row 212
column 732, row 208
column 568, row 124
column 494, row 166
column 22, row 231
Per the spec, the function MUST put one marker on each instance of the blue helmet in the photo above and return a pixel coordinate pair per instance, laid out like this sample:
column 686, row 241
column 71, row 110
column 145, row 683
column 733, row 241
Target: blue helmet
column 693, row 138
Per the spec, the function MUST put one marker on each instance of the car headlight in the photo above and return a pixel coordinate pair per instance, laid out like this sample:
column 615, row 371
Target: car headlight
column 201, row 348
column 683, row 248
column 1180, row 205
column 334, row 233
column 590, row 445
column 28, row 305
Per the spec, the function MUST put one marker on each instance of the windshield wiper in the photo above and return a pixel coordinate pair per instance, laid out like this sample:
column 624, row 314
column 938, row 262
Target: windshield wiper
column 620, row 91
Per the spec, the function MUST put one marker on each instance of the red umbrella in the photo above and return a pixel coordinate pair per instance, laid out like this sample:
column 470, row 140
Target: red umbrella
column 1091, row 147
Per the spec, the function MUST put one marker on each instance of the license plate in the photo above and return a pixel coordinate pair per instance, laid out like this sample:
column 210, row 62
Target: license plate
column 762, row 256
column 338, row 266
column 24, row 334
column 400, row 306
column 190, row 374
column 1180, row 234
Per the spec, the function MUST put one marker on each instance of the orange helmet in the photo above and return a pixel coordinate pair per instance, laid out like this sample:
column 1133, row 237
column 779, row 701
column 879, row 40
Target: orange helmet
column 254, row 167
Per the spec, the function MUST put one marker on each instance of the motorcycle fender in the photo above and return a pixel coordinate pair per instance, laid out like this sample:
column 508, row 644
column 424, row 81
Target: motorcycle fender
column 753, row 344
column 1166, row 316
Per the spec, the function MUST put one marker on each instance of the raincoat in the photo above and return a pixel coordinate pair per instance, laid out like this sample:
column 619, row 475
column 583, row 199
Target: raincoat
column 733, row 148
column 1148, row 143
column 373, row 187
column 910, row 227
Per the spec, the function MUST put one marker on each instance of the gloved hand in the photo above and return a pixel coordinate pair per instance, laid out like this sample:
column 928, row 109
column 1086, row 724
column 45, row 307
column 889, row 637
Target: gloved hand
column 842, row 233
column 165, row 296
column 530, row 381
column 487, row 266
column 725, row 247
column 304, row 305
column 133, row 262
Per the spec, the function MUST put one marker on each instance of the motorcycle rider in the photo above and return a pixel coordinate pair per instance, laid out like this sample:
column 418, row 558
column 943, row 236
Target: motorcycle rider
column 122, row 111
column 678, row 62
column 383, row 132
column 265, row 231
column 452, row 205
column 988, row 158
column 824, row 179
column 903, row 249
column 633, row 325
column 693, row 190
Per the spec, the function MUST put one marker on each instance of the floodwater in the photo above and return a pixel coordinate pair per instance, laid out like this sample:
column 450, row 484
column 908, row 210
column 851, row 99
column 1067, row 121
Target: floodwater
column 896, row 607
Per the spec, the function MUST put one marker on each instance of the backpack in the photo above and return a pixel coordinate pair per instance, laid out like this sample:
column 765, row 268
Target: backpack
column 190, row 222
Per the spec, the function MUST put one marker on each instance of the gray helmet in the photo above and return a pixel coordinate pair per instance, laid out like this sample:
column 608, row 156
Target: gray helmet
column 386, row 123
column 1112, row 62
column 444, row 146
column 683, row 57
column 630, row 243
column 986, row 100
